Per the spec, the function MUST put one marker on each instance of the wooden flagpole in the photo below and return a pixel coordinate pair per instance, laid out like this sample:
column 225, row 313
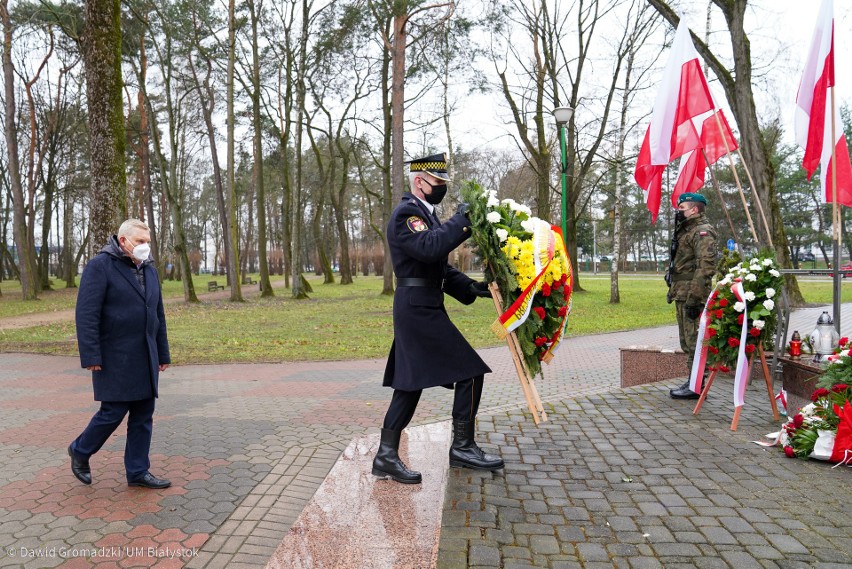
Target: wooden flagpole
column 756, row 198
column 719, row 193
column 736, row 177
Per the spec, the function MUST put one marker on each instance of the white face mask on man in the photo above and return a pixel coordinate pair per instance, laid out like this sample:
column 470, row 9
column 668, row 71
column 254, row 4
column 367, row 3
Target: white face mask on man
column 141, row 252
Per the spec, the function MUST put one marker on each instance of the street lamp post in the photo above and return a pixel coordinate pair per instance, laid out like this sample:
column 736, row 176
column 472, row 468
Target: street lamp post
column 562, row 116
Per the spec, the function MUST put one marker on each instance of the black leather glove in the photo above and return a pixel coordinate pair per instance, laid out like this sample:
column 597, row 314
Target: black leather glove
column 480, row 289
column 463, row 209
column 693, row 311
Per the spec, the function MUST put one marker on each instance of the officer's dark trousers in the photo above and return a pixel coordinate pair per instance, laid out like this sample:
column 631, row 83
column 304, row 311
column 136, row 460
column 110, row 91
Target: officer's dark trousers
column 468, row 392
column 140, row 425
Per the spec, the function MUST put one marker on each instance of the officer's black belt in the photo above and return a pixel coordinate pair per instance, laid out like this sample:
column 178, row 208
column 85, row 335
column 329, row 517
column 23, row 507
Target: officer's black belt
column 427, row 283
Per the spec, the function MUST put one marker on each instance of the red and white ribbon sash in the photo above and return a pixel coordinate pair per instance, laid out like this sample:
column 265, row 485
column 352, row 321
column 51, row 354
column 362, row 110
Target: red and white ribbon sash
column 699, row 361
column 741, row 375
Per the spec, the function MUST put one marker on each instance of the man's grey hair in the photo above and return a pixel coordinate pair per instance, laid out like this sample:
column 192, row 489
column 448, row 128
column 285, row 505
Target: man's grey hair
column 131, row 227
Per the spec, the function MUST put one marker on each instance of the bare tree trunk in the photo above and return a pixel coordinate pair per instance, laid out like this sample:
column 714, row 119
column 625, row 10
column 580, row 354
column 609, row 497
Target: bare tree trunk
column 101, row 48
column 26, row 254
column 260, row 190
column 234, row 260
column 298, row 284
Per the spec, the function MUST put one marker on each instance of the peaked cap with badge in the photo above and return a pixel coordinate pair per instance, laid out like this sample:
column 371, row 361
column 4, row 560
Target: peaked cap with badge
column 428, row 350
column 436, row 164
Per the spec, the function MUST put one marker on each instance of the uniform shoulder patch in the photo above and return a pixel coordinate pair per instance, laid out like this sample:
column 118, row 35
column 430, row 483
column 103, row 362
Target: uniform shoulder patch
column 416, row 224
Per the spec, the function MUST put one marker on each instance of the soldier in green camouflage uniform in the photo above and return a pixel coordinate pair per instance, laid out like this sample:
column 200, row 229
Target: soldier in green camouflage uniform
column 691, row 268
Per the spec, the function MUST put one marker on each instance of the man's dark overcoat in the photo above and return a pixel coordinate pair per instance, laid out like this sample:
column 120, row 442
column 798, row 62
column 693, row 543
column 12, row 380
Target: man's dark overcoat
column 428, row 350
column 120, row 327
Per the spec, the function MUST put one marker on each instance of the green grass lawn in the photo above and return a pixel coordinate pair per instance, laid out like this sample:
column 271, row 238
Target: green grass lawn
column 344, row 322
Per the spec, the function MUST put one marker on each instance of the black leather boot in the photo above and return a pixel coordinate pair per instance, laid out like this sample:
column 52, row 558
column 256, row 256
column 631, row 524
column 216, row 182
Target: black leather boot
column 80, row 467
column 465, row 453
column 387, row 462
column 683, row 392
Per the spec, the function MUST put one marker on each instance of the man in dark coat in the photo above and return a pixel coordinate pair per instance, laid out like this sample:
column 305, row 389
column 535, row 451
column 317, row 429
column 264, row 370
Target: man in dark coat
column 428, row 350
column 121, row 334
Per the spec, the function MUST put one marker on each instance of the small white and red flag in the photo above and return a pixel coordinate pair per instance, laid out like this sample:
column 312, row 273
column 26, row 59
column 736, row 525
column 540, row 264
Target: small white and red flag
column 813, row 121
column 683, row 94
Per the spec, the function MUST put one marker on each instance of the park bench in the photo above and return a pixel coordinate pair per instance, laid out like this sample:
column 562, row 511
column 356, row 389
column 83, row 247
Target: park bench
column 247, row 280
column 213, row 286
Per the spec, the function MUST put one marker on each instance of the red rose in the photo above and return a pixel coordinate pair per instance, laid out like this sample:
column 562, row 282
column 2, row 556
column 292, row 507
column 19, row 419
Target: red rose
column 545, row 290
column 723, row 302
column 798, row 419
column 724, row 369
column 839, row 387
column 740, row 319
column 566, row 292
column 749, row 348
column 713, row 349
column 563, row 310
column 733, row 342
column 821, row 392
column 540, row 311
column 712, row 368
column 564, row 278
column 714, row 295
column 540, row 341
column 788, row 450
column 754, row 332
column 844, row 340
column 720, row 313
column 711, row 332
column 556, row 285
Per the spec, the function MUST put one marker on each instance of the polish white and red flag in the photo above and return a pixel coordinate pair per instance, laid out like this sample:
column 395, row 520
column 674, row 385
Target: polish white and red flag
column 813, row 121
column 716, row 140
column 683, row 94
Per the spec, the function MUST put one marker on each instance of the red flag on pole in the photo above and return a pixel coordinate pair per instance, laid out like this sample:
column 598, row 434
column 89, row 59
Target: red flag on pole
column 813, row 121
column 693, row 164
column 683, row 94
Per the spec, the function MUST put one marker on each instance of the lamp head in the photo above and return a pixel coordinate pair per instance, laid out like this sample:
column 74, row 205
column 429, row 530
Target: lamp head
column 562, row 115
column 824, row 337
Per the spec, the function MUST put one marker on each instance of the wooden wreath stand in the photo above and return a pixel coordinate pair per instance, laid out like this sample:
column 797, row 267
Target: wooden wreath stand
column 527, row 383
column 766, row 377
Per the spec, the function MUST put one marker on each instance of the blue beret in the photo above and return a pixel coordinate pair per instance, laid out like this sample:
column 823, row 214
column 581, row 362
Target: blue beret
column 690, row 197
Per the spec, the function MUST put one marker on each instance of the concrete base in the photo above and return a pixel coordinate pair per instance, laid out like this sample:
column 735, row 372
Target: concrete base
column 358, row 520
column 649, row 364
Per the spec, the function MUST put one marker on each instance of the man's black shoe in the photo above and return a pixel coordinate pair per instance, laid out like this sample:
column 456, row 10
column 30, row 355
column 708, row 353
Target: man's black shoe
column 683, row 392
column 148, row 480
column 80, row 467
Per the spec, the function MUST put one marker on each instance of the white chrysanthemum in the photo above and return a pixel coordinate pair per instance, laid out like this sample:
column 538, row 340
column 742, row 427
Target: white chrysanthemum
column 749, row 296
column 751, row 277
column 529, row 225
column 770, row 292
column 808, row 410
column 729, row 276
column 767, row 262
column 774, row 273
column 521, row 208
column 502, row 234
column 492, row 201
column 493, row 217
column 768, row 304
column 726, row 281
column 759, row 324
column 754, row 268
column 739, row 306
column 509, row 202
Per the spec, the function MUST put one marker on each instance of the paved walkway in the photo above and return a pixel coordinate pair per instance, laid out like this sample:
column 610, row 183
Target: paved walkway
column 616, row 478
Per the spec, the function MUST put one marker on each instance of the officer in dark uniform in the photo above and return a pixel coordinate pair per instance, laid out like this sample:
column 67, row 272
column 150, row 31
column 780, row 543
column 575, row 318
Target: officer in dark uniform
column 691, row 268
column 428, row 350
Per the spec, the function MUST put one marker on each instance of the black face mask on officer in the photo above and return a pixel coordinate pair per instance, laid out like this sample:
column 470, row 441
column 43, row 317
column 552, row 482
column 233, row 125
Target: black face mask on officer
column 437, row 195
column 680, row 217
